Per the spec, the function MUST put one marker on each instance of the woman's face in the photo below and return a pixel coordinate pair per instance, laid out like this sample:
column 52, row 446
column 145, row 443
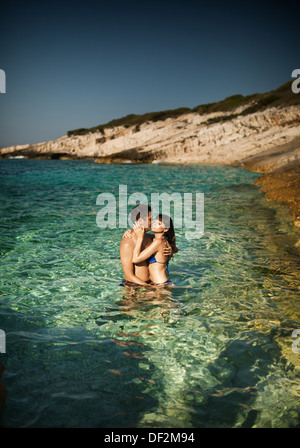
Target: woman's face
column 158, row 226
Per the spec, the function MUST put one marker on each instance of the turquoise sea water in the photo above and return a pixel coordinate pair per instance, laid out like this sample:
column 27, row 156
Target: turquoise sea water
column 82, row 351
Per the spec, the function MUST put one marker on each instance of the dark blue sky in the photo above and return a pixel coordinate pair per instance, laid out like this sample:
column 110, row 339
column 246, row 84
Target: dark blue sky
column 83, row 63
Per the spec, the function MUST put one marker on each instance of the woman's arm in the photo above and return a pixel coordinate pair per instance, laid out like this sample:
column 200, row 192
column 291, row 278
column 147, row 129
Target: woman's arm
column 139, row 256
column 151, row 249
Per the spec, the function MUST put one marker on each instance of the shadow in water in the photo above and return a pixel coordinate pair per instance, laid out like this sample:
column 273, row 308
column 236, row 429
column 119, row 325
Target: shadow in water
column 140, row 320
column 3, row 393
column 134, row 323
column 78, row 379
column 231, row 403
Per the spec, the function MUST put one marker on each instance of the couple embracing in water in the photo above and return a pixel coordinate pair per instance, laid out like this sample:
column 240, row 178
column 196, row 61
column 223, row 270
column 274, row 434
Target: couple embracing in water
column 144, row 256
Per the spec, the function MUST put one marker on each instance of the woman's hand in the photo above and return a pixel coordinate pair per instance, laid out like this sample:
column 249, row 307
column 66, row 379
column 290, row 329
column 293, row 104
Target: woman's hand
column 139, row 231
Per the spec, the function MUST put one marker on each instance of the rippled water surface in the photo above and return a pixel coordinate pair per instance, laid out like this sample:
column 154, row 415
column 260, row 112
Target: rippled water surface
column 82, row 351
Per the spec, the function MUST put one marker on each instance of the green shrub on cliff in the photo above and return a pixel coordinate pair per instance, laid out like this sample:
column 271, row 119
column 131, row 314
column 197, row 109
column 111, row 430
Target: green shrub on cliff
column 257, row 101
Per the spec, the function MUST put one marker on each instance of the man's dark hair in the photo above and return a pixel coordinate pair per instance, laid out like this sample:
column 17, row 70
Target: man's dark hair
column 139, row 211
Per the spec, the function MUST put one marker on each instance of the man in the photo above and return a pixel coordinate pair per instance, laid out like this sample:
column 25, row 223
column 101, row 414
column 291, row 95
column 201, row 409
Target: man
column 137, row 274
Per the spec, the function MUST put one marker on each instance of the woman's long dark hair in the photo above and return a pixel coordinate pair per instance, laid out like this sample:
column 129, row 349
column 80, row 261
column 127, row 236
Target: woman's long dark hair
column 170, row 234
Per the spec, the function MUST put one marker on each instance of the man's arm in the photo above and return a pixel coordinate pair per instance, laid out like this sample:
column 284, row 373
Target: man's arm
column 126, row 253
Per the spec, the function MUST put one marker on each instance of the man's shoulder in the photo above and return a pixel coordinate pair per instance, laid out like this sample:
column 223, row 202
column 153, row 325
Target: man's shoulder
column 126, row 242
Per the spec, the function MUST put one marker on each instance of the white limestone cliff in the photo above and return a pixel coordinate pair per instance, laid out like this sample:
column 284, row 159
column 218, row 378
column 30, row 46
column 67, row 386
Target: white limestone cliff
column 191, row 138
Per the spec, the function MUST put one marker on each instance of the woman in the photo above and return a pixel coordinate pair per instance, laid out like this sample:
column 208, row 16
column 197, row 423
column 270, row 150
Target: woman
column 163, row 229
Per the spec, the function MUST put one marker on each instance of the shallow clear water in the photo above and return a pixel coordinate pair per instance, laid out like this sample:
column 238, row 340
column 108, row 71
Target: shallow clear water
column 82, row 351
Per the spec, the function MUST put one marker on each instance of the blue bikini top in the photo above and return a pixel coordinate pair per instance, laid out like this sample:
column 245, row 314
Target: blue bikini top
column 152, row 259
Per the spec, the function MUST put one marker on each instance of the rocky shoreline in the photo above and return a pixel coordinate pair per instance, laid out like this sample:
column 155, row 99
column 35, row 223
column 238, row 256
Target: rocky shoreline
column 192, row 138
column 283, row 186
column 280, row 180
